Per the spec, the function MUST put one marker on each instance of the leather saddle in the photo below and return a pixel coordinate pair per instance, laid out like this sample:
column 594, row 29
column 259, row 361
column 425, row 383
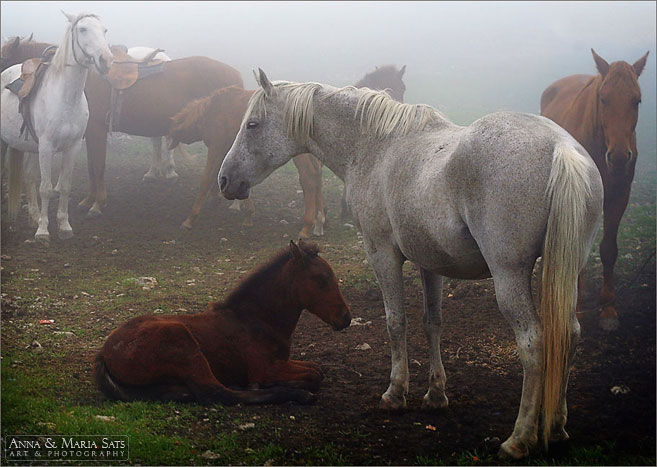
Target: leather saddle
column 125, row 70
column 26, row 85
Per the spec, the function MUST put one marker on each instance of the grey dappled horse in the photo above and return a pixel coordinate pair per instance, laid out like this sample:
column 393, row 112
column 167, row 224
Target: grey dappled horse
column 464, row 202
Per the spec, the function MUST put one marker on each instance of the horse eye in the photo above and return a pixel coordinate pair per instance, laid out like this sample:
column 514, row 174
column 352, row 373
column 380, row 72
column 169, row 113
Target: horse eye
column 105, row 30
column 251, row 124
column 604, row 102
column 83, row 29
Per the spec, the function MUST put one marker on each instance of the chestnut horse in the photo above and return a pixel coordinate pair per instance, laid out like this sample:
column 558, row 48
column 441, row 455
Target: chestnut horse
column 241, row 342
column 215, row 120
column 601, row 113
column 147, row 106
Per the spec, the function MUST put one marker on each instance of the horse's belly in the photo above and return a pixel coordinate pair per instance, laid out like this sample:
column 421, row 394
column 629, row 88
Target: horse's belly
column 450, row 251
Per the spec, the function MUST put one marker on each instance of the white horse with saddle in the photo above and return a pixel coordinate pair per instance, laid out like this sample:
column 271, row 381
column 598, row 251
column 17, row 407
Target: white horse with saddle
column 58, row 114
column 464, row 202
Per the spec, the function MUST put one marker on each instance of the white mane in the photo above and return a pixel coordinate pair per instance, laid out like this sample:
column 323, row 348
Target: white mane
column 61, row 56
column 380, row 115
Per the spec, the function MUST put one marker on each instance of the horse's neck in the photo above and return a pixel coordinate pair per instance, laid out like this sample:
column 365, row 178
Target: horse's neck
column 272, row 305
column 337, row 138
column 584, row 118
column 65, row 85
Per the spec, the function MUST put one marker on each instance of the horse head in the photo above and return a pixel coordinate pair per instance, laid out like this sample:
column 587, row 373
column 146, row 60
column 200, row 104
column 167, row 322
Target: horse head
column 388, row 78
column 9, row 55
column 88, row 42
column 315, row 286
column 619, row 96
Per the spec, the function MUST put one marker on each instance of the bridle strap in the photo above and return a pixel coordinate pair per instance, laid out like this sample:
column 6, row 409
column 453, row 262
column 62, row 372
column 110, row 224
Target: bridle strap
column 75, row 40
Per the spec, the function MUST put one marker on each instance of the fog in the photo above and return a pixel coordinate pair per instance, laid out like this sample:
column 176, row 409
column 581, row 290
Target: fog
column 465, row 58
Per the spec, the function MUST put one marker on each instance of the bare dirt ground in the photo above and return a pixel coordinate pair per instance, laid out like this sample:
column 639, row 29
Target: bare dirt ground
column 80, row 283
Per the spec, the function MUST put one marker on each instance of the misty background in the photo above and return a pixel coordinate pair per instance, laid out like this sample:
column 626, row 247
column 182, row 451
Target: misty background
column 465, row 58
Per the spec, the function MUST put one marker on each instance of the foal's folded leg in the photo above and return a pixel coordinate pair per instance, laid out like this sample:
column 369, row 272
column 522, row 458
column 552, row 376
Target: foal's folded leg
column 290, row 373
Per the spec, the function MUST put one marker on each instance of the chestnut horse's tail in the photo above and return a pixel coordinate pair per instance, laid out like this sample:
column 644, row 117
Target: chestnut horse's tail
column 180, row 393
column 567, row 244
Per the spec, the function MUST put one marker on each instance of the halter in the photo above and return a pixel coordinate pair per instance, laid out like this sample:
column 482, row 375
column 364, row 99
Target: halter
column 75, row 40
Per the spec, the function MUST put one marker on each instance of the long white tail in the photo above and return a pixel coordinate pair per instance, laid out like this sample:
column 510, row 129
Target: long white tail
column 15, row 180
column 566, row 248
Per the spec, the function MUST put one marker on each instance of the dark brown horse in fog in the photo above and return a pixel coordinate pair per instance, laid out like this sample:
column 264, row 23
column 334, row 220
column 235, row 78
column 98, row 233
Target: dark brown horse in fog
column 146, row 109
column 601, row 112
column 241, row 342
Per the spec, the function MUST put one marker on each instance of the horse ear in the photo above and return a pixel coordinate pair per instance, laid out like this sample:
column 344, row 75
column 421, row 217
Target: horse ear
column 71, row 18
column 639, row 64
column 265, row 84
column 257, row 78
column 600, row 63
column 402, row 71
column 30, row 38
column 297, row 254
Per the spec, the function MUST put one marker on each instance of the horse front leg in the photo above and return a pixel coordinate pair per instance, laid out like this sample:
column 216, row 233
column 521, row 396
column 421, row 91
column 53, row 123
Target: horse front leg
column 155, row 170
column 308, row 183
column 289, row 373
column 513, row 291
column 387, row 262
column 615, row 203
column 169, row 168
column 96, row 141
column 320, row 216
column 64, row 184
column 46, row 154
column 432, row 321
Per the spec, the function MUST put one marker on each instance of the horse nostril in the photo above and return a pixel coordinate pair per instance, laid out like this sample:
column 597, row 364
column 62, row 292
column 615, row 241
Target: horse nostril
column 629, row 154
column 223, row 182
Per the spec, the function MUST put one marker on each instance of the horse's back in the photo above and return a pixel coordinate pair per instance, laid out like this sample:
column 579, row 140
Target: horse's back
column 557, row 97
column 499, row 176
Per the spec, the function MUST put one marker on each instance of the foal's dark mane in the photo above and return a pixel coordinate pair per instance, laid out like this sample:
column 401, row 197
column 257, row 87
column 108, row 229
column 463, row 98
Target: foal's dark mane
column 262, row 274
column 371, row 79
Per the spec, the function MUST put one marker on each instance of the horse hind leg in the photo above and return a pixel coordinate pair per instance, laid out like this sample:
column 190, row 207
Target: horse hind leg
column 31, row 176
column 558, row 432
column 432, row 284
column 513, row 291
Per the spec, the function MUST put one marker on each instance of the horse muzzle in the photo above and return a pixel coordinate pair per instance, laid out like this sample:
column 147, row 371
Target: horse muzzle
column 103, row 64
column 618, row 160
column 344, row 322
column 233, row 190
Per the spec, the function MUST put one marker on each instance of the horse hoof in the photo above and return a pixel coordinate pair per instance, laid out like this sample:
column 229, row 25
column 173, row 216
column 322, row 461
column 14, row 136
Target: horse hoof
column 42, row 239
column 172, row 178
column 304, row 235
column 434, row 402
column 559, row 435
column 389, row 402
column 186, row 225
column 318, row 232
column 514, row 448
column 247, row 223
column 150, row 177
column 306, row 397
column 65, row 234
column 93, row 213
